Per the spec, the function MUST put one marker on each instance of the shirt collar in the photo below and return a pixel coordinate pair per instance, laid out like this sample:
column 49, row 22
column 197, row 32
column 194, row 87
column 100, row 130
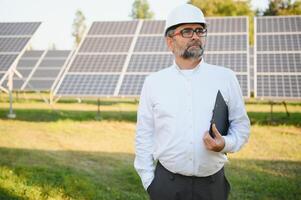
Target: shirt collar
column 195, row 70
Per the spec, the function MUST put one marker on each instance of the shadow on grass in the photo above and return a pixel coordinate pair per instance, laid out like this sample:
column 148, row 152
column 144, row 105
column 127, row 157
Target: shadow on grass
column 43, row 115
column 264, row 179
column 68, row 174
column 277, row 118
column 6, row 195
column 39, row 99
column 106, row 176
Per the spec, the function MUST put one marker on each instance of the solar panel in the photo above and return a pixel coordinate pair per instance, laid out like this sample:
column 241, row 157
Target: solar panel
column 227, row 45
column 32, row 54
column 12, row 44
column 243, row 82
column 132, row 84
column 149, row 62
column 88, row 84
column 14, row 37
column 130, row 50
column 278, row 57
column 104, row 50
column 236, row 62
column 47, row 71
column 151, row 44
column 26, row 64
column 251, row 67
column 227, row 42
column 6, row 61
column 278, row 42
column 279, row 86
column 153, row 27
column 41, row 85
column 1, row 75
column 18, row 28
column 98, row 63
column 57, row 54
column 278, row 24
column 113, row 28
column 106, row 44
column 227, row 24
column 24, row 72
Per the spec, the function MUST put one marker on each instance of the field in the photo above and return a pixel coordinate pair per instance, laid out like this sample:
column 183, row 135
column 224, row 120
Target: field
column 63, row 152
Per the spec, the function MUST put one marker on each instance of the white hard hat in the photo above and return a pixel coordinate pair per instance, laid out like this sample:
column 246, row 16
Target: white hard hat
column 184, row 14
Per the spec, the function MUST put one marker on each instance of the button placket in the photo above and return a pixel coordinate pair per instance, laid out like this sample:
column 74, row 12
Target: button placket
column 190, row 119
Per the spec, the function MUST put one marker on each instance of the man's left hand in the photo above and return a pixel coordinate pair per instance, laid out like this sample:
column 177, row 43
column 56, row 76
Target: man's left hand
column 214, row 144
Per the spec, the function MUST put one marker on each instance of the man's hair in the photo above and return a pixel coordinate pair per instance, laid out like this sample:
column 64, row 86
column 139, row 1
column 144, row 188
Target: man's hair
column 171, row 30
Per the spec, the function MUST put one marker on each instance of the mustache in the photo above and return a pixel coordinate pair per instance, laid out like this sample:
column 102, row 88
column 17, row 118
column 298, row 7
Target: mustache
column 195, row 43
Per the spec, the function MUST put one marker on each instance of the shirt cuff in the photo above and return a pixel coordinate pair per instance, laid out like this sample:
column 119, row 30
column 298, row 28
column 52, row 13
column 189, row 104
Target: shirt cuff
column 147, row 179
column 228, row 145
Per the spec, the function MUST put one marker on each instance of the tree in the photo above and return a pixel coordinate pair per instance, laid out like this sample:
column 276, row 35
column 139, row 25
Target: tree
column 227, row 8
column 141, row 10
column 223, row 7
column 283, row 7
column 79, row 27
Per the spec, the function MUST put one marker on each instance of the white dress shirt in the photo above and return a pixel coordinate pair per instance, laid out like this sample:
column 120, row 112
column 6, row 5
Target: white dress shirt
column 174, row 112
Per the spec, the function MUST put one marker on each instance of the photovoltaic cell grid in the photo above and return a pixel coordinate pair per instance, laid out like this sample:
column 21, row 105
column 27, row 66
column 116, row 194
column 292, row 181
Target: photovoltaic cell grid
column 278, row 57
column 150, row 54
column 130, row 50
column 14, row 36
column 251, row 68
column 102, row 54
column 48, row 70
column 89, row 84
column 227, row 45
column 25, row 65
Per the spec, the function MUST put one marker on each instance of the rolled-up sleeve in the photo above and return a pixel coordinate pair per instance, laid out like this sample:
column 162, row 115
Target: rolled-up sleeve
column 239, row 129
column 144, row 162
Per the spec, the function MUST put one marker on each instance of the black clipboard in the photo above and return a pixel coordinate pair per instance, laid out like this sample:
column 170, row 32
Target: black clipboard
column 220, row 116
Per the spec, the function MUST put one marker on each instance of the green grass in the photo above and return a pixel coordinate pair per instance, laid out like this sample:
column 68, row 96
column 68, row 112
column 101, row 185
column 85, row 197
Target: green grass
column 63, row 152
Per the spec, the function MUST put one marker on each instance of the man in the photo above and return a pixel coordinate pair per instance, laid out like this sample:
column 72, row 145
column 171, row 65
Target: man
column 176, row 157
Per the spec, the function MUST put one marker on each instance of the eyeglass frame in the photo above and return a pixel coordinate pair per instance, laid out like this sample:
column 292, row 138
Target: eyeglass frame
column 203, row 34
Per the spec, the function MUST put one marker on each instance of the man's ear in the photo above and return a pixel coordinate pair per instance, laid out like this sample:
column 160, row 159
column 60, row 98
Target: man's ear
column 169, row 42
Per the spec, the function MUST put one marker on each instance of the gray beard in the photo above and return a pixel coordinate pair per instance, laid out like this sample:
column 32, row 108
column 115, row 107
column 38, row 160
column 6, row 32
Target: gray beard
column 193, row 54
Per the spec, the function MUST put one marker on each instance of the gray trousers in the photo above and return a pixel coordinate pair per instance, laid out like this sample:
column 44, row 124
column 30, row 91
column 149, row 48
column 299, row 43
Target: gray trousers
column 169, row 186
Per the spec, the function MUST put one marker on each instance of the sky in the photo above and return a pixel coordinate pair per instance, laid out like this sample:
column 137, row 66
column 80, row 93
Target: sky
column 57, row 15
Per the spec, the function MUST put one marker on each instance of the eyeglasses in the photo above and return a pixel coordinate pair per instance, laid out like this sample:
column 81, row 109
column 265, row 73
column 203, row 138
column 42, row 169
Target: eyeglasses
column 188, row 32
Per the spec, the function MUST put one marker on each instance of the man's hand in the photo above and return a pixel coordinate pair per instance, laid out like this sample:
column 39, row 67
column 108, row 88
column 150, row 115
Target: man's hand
column 214, row 144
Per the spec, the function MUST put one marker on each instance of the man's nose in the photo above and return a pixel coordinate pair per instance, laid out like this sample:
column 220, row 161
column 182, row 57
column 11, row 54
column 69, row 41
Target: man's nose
column 195, row 36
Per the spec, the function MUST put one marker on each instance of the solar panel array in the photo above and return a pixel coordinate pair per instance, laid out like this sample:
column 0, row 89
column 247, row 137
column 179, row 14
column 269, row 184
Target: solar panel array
column 40, row 70
column 227, row 45
column 14, row 37
column 115, row 57
column 251, row 68
column 25, row 66
column 278, row 57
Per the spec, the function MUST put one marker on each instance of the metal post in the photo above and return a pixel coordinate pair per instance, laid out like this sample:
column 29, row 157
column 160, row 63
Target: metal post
column 287, row 113
column 11, row 114
column 98, row 117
